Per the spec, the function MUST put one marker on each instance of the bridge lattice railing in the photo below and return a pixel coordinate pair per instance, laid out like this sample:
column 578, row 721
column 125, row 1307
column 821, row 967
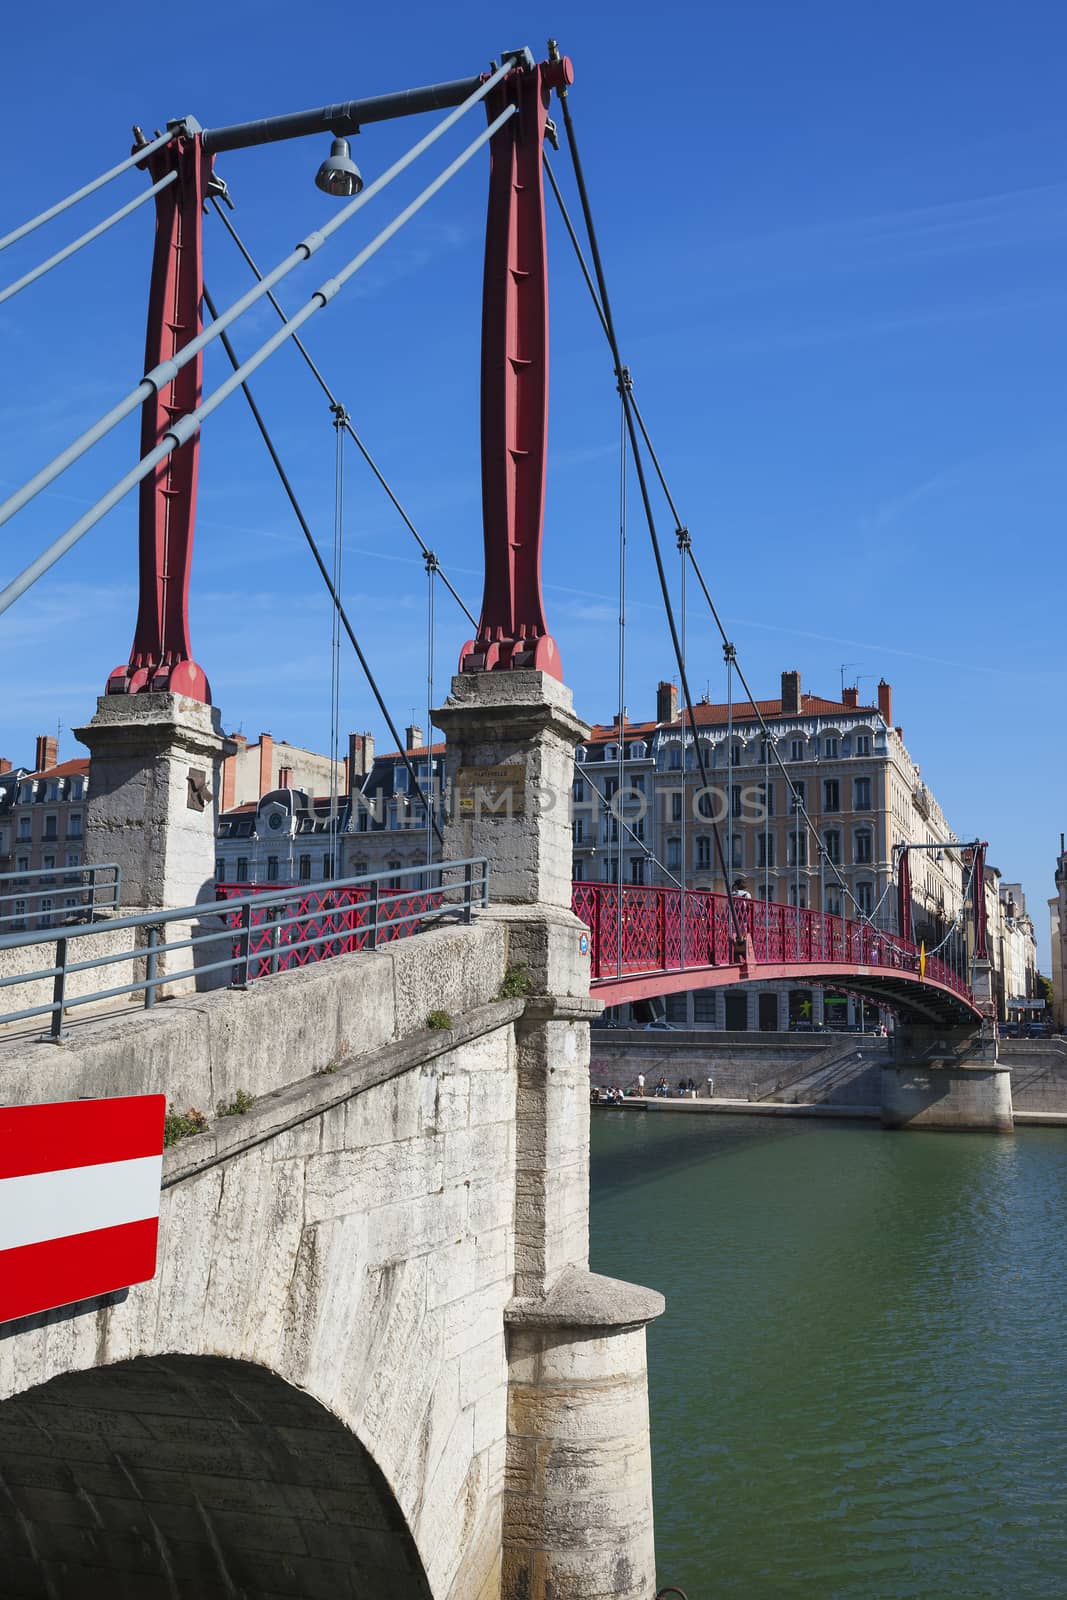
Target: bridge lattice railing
column 649, row 922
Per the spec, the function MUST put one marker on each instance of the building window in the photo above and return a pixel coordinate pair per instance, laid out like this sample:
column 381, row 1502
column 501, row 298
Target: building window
column 833, row 900
column 798, row 849
column 611, row 752
column 766, row 799
column 47, row 907
column 53, row 789
column 272, row 869
column 829, row 747
column 637, row 783
column 735, row 755
column 580, row 754
column 796, row 749
column 578, row 790
column 737, row 850
column 637, row 752
column 674, row 852
column 577, row 872
column 25, row 793
column 766, row 892
column 831, row 794
column 861, row 794
column 25, row 828
column 327, row 865
column 863, row 744
column 798, row 895
column 765, row 849
column 242, row 869
column 48, row 865
column 703, row 853
column 359, row 869
column 73, row 858
column 578, row 828
column 676, row 805
column 51, row 826
column 798, row 798
column 220, row 869
column 676, row 758
column 637, row 870
column 865, row 897
column 637, row 828
column 863, row 846
column 735, row 800
column 611, row 872
column 20, row 913
column 704, row 804
column 611, row 789
column 74, row 825
column 305, row 869
column 22, row 864
column 832, row 842
column 400, row 779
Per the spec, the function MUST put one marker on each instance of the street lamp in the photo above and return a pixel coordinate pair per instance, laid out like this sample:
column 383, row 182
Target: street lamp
column 339, row 174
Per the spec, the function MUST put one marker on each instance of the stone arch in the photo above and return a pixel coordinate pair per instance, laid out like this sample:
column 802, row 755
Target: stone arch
column 193, row 1476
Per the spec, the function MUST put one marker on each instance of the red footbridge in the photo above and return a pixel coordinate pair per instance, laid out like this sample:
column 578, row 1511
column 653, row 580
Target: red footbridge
column 640, row 949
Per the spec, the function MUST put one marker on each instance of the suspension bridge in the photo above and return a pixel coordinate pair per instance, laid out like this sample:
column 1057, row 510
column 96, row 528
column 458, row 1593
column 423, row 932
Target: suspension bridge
column 372, row 1285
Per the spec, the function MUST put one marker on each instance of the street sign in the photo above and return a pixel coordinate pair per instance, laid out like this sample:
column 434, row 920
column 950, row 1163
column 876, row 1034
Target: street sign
column 79, row 1199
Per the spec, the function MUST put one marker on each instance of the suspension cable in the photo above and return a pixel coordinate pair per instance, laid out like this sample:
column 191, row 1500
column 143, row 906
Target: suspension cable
column 317, row 374
column 97, row 183
column 681, row 537
column 432, row 570
column 164, row 374
column 621, row 747
column 305, row 528
column 609, row 328
column 183, row 428
column 603, row 313
column 86, row 238
column 335, row 621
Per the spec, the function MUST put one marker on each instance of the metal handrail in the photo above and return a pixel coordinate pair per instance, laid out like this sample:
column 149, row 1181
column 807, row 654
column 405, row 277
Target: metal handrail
column 85, row 879
column 374, row 899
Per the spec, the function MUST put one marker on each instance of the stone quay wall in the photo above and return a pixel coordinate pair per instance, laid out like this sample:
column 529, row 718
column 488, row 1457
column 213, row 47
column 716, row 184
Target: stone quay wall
column 840, row 1069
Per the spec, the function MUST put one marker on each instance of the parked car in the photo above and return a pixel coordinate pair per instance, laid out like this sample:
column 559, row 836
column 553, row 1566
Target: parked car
column 1038, row 1030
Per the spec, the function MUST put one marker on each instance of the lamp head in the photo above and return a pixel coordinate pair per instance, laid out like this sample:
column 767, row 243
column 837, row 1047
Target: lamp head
column 339, row 174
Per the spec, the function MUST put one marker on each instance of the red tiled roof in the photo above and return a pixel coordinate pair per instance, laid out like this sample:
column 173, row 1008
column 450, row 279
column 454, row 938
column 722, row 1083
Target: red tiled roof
column 605, row 732
column 707, row 715
column 416, row 750
column 66, row 769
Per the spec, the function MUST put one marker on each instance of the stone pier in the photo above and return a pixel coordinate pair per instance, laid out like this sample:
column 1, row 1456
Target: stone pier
column 942, row 1077
column 578, row 1499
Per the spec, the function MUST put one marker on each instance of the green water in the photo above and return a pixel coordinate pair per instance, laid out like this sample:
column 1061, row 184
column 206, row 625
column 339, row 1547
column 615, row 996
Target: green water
column 859, row 1388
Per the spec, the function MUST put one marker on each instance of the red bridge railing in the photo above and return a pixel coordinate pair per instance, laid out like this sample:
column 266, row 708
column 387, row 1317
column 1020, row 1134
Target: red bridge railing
column 651, row 927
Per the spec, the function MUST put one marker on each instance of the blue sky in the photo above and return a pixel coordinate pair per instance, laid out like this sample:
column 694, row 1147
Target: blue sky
column 836, row 240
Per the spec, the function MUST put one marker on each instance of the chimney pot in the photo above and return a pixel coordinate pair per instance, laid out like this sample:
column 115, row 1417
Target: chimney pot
column 790, row 693
column 885, row 701
column 851, row 697
column 5, row 766
column 667, row 702
column 413, row 737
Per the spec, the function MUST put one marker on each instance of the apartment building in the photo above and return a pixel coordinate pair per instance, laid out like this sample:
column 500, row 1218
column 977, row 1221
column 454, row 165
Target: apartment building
column 42, row 826
column 386, row 828
column 612, row 818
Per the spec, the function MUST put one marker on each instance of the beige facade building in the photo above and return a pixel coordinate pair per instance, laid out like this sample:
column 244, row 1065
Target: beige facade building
column 1058, row 918
column 255, row 769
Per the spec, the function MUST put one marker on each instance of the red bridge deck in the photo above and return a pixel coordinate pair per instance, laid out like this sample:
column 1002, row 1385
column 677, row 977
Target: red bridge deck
column 778, row 942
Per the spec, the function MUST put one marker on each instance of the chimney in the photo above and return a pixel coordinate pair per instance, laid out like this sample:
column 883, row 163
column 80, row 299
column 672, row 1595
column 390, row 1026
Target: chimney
column 266, row 764
column 359, row 760
column 885, row 701
column 850, row 697
column 47, row 753
column 285, row 777
column 229, row 775
column 790, row 693
column 412, row 736
column 667, row 702
column 5, row 766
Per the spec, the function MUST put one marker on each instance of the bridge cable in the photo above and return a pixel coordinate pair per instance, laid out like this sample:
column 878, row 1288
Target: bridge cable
column 772, row 740
column 621, row 747
column 431, row 643
column 313, row 547
column 162, row 375
column 609, row 329
column 79, row 194
column 184, row 427
column 682, row 898
column 353, row 435
column 335, row 626
column 86, row 238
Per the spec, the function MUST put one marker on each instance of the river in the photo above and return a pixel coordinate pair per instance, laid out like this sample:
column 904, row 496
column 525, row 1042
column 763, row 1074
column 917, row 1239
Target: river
column 859, row 1388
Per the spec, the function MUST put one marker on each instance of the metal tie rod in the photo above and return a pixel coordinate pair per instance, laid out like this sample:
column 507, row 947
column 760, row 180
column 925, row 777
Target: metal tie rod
column 79, row 194
column 186, row 426
column 86, row 238
column 165, row 373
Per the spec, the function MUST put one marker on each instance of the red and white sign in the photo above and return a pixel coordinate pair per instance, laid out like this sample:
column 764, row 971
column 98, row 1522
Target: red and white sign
column 79, row 1199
